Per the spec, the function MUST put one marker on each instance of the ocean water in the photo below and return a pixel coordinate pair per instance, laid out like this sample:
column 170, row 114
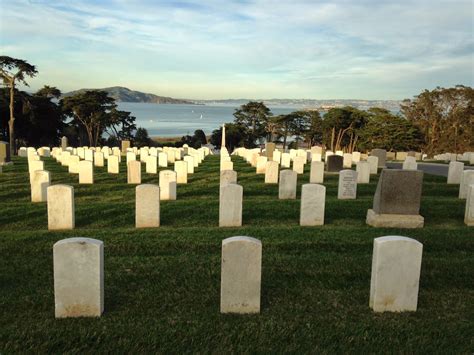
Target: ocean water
column 169, row 120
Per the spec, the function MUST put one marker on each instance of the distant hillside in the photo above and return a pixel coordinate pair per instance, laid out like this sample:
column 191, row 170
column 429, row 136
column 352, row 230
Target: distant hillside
column 121, row 94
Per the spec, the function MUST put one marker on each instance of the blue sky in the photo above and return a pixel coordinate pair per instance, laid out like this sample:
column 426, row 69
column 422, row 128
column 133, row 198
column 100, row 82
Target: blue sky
column 364, row 49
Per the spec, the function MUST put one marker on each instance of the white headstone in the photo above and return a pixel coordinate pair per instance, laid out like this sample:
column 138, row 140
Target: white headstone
column 261, row 162
column 313, row 201
column 151, row 164
column 134, row 172
column 230, row 205
column 410, row 163
column 271, row 172
column 190, row 163
column 469, row 211
column 39, row 185
column 241, row 275
column 316, row 175
column 147, row 206
column 162, row 160
column 78, row 277
column 228, row 177
column 98, row 159
column 285, row 160
column 374, row 163
column 347, row 160
column 181, row 168
column 363, row 172
column 396, row 266
column 347, row 188
column 287, row 186
column 455, row 172
column 113, row 166
column 60, row 207
column 167, row 185
column 467, row 178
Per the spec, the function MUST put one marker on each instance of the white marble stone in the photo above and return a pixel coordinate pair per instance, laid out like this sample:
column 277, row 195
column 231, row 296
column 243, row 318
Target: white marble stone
column 134, row 172
column 363, row 172
column 347, row 160
column 78, row 277
column 271, row 172
column 396, row 266
column 151, row 164
column 230, row 205
column 347, row 188
column 39, row 185
column 113, row 165
column 455, row 172
column 467, row 178
column 298, row 164
column 147, row 206
column 131, row 157
column 374, row 163
column 356, row 157
column 60, row 207
column 313, row 202
column 99, row 159
column 226, row 165
column 86, row 172
column 316, row 175
column 228, row 177
column 190, row 160
column 89, row 155
column 162, row 160
column 469, row 210
column 287, row 185
column 261, row 163
column 285, row 160
column 181, row 168
column 73, row 166
column 167, row 185
column 35, row 165
column 410, row 163
column 241, row 274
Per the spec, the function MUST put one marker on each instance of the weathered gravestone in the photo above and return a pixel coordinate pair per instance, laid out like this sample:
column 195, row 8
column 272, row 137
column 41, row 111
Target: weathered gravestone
column 86, row 172
column 39, row 185
column 455, row 172
column 410, row 163
column 396, row 266
column 134, row 172
column 167, row 185
column 60, row 207
column 363, row 172
column 64, row 143
column 316, row 175
column 287, row 186
column 230, row 205
column 313, row 201
column 271, row 172
column 469, row 212
column 334, row 163
column 397, row 200
column 125, row 146
column 4, row 153
column 467, row 179
column 151, row 164
column 347, row 188
column 228, row 177
column 78, row 277
column 347, row 160
column 261, row 163
column 147, row 206
column 381, row 154
column 241, row 274
column 269, row 149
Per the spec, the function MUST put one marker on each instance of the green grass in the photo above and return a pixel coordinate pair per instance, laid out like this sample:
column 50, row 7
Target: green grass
column 162, row 285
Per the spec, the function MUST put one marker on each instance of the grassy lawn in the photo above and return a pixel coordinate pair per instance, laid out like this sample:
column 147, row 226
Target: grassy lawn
column 162, row 285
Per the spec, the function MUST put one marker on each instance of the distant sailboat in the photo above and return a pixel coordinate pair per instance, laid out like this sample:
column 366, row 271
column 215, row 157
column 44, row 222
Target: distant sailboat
column 200, row 117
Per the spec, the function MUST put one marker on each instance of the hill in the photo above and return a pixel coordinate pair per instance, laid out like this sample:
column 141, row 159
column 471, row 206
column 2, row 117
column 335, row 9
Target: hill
column 122, row 94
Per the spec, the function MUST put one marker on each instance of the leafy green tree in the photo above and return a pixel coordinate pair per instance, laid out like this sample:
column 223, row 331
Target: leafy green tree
column 199, row 138
column 13, row 71
column 445, row 116
column 235, row 136
column 388, row 131
column 142, row 139
column 252, row 116
column 341, row 127
column 90, row 109
column 120, row 124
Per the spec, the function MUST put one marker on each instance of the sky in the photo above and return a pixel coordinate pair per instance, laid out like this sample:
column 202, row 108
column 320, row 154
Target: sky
column 216, row 49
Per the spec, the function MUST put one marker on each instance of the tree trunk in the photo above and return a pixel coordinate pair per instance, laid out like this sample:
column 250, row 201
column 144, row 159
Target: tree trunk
column 11, row 122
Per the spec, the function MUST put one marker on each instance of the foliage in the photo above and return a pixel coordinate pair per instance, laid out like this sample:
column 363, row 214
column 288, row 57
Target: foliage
column 388, row 131
column 235, row 136
column 341, row 127
column 446, row 118
column 13, row 71
column 253, row 117
column 142, row 139
column 120, row 124
column 91, row 110
column 196, row 140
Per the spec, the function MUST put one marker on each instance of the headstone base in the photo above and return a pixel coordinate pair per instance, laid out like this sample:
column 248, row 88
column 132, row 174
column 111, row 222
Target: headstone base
column 394, row 220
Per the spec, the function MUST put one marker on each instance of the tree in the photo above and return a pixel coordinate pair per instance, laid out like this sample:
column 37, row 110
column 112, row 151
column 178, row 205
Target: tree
column 91, row 110
column 445, row 116
column 120, row 125
column 142, row 139
column 341, row 127
column 200, row 137
column 14, row 71
column 252, row 117
column 388, row 131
